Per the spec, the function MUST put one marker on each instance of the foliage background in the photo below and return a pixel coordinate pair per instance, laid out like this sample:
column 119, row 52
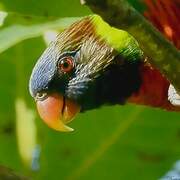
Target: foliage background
column 129, row 142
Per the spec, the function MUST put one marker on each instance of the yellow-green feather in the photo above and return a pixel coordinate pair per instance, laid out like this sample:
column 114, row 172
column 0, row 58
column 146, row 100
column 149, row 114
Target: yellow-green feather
column 120, row 40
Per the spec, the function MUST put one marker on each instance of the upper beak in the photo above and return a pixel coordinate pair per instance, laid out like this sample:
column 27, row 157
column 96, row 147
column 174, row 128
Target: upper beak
column 56, row 111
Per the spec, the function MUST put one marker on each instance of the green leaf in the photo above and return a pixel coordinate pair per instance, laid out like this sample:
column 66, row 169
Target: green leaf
column 24, row 27
column 8, row 174
column 46, row 8
column 114, row 143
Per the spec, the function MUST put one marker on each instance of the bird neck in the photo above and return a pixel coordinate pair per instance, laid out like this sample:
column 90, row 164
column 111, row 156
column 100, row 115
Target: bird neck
column 120, row 40
column 115, row 85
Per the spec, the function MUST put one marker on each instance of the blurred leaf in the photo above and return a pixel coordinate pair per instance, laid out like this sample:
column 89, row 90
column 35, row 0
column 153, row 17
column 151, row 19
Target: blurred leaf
column 26, row 137
column 20, row 27
column 113, row 143
column 8, row 174
column 15, row 67
column 45, row 8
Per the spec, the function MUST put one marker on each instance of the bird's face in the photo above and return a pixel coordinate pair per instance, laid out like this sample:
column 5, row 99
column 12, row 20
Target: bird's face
column 63, row 80
column 80, row 71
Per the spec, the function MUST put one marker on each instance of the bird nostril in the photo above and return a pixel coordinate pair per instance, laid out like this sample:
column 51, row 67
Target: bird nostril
column 40, row 96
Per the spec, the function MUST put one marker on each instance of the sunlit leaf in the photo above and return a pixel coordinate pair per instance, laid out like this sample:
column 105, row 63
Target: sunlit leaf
column 18, row 28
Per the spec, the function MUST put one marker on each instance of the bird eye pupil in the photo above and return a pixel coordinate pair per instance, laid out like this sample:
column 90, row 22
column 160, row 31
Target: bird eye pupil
column 65, row 64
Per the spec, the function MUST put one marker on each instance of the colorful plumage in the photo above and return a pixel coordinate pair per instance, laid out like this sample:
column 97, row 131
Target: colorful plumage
column 91, row 64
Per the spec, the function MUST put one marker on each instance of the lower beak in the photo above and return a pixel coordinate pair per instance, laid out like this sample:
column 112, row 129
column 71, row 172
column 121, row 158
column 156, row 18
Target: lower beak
column 56, row 111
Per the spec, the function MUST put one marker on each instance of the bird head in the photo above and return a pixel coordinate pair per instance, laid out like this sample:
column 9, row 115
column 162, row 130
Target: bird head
column 88, row 65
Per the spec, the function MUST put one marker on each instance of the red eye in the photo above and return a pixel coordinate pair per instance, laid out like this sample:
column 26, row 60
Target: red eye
column 66, row 64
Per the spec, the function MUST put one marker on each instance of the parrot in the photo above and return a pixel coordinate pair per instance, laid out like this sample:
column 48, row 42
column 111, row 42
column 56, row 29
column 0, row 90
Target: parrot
column 91, row 64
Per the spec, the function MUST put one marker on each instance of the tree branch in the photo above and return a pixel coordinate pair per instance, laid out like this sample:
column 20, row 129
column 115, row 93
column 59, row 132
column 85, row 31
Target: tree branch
column 160, row 52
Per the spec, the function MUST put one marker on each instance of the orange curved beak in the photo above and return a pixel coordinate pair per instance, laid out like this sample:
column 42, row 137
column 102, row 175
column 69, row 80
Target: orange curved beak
column 56, row 111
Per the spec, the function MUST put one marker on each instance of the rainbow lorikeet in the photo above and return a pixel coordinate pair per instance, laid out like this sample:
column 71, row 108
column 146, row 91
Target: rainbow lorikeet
column 91, row 64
